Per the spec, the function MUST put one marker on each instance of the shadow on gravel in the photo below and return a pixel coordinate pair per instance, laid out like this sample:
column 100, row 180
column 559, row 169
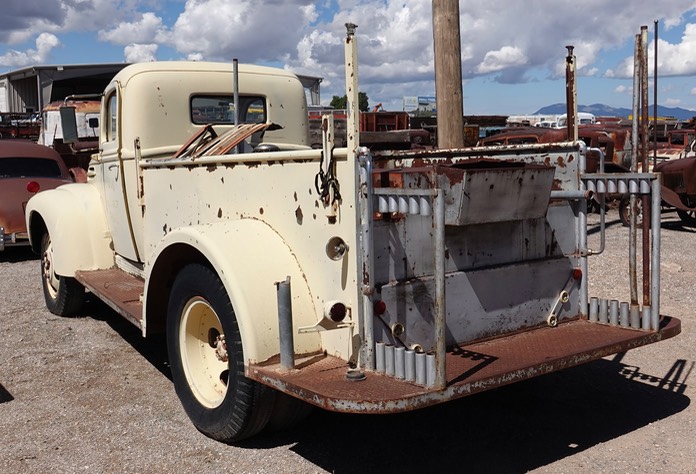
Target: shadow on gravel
column 511, row 429
column 515, row 428
column 5, row 396
column 670, row 221
column 17, row 254
column 153, row 348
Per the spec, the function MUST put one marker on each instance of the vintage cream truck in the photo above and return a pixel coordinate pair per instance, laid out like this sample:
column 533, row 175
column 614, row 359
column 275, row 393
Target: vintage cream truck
column 286, row 276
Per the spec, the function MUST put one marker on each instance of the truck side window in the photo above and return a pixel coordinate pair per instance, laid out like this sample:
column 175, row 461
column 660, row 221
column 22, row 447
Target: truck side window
column 220, row 109
column 112, row 118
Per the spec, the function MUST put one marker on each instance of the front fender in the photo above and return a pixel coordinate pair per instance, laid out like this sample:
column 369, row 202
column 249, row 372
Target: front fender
column 250, row 258
column 74, row 217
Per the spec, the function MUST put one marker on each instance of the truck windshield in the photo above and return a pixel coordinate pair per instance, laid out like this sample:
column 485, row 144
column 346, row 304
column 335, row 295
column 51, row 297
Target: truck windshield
column 220, row 109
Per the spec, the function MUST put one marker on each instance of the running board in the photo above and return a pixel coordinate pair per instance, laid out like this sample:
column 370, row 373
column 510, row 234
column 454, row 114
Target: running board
column 475, row 367
column 119, row 290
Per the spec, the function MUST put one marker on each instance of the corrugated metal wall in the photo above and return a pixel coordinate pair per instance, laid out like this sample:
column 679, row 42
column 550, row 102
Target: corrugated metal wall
column 23, row 95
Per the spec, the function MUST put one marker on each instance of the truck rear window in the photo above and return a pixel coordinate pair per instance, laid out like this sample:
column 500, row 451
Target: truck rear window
column 29, row 168
column 220, row 109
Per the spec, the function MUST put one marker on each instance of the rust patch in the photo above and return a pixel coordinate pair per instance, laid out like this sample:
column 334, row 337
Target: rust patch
column 298, row 215
column 560, row 163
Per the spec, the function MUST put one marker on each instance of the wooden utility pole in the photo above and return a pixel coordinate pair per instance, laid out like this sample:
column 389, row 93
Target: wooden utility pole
column 448, row 74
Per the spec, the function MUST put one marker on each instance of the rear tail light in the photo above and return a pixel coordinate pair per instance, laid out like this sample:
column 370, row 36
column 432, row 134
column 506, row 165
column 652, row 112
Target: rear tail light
column 33, row 187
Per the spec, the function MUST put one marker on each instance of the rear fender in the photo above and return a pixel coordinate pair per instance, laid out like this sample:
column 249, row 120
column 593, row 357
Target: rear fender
column 74, row 217
column 249, row 257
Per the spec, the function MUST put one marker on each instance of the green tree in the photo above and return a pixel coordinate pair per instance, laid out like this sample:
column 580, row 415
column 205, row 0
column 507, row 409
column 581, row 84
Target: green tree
column 342, row 102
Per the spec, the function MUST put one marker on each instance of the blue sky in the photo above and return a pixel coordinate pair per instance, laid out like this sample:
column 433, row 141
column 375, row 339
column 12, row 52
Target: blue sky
column 512, row 52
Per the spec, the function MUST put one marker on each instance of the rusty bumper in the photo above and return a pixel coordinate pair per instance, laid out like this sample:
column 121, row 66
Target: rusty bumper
column 471, row 368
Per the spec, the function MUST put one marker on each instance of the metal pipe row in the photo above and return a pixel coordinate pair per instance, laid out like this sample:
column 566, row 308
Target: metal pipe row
column 406, row 364
column 618, row 185
column 615, row 313
column 413, row 205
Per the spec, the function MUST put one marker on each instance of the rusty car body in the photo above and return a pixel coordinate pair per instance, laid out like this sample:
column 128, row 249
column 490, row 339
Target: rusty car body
column 25, row 169
column 679, row 187
column 612, row 139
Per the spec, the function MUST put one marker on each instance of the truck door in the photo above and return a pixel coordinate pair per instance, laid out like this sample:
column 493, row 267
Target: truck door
column 119, row 172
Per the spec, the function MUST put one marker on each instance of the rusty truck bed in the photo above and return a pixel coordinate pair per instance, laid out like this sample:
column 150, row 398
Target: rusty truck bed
column 471, row 368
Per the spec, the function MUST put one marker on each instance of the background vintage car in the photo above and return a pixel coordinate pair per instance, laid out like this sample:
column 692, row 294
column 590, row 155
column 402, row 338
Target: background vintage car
column 25, row 169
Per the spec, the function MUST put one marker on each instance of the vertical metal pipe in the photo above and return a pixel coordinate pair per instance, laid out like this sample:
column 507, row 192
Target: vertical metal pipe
column 623, row 314
column 603, row 311
column 365, row 264
column 379, row 357
column 645, row 198
column 581, row 232
column 389, row 359
column 399, row 363
column 632, row 239
column 655, row 99
column 614, row 312
column 656, row 249
column 635, row 316
column 421, row 377
column 285, row 332
column 646, row 318
column 431, row 370
column 352, row 94
column 440, row 310
column 594, row 309
column 571, row 96
column 235, row 77
column 410, row 365
column 644, row 97
column 363, row 194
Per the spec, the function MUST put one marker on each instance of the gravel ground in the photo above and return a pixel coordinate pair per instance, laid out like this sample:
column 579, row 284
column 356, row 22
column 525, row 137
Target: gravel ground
column 88, row 394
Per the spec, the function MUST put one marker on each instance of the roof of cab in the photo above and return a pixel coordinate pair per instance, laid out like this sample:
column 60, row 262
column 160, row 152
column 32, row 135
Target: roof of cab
column 197, row 66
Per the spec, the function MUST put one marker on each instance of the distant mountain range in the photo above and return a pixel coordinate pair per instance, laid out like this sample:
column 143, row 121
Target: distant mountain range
column 606, row 111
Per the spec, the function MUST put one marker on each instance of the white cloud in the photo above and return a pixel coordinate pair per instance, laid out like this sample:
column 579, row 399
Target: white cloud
column 505, row 57
column 253, row 31
column 146, row 29
column 137, row 53
column 507, row 42
column 672, row 102
column 45, row 43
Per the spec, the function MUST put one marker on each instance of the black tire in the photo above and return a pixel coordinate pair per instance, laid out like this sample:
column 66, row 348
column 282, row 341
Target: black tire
column 64, row 296
column 625, row 211
column 220, row 401
column 688, row 218
column 288, row 412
